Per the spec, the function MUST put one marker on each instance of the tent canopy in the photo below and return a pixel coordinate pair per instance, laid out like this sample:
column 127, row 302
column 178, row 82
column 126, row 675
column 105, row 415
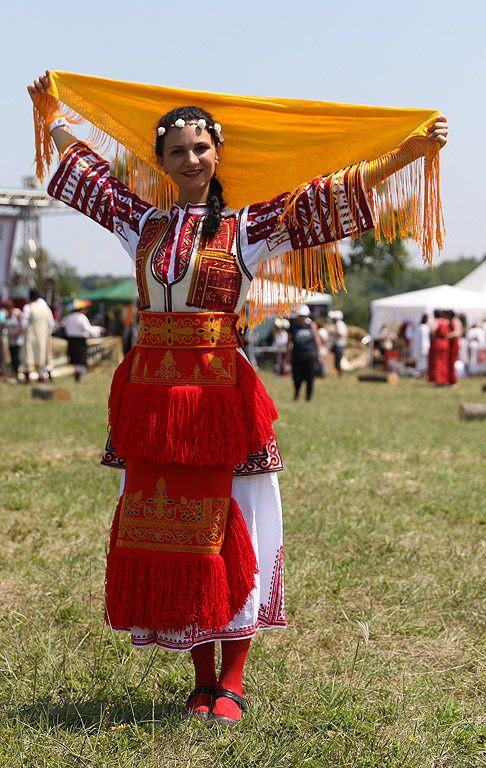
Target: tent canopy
column 412, row 305
column 124, row 291
column 475, row 280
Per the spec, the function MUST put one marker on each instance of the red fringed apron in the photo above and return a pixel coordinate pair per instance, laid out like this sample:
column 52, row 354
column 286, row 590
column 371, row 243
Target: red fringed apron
column 185, row 407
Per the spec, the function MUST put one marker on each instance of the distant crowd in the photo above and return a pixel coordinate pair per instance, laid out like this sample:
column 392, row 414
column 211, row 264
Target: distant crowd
column 443, row 347
column 27, row 324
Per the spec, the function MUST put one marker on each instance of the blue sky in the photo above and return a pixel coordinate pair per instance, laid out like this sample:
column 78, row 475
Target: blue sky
column 411, row 55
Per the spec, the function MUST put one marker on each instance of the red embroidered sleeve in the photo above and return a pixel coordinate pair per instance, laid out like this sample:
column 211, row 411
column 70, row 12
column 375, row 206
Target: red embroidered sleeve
column 83, row 181
column 325, row 207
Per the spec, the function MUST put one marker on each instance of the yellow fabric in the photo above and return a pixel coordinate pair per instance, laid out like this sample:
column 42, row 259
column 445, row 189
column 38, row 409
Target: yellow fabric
column 271, row 145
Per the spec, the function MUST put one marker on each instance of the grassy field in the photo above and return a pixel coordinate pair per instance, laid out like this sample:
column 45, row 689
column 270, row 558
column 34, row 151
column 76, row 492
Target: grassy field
column 384, row 659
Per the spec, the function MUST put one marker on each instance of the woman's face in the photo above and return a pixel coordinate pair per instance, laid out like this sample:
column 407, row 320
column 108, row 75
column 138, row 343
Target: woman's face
column 189, row 157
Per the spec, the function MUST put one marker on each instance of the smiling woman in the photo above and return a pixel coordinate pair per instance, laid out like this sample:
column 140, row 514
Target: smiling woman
column 196, row 544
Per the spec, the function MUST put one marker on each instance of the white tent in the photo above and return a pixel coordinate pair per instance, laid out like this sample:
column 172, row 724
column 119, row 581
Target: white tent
column 475, row 280
column 412, row 305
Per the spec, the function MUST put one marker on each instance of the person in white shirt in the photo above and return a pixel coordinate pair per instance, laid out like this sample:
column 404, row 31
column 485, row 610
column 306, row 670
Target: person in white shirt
column 476, row 343
column 421, row 347
column 339, row 336
column 77, row 329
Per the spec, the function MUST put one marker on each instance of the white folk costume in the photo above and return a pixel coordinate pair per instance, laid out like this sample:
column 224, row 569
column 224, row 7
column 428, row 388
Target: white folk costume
column 188, row 412
column 38, row 321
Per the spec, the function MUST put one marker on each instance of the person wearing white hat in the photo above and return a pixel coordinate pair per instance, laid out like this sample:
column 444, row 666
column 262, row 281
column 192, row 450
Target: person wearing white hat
column 77, row 329
column 339, row 334
column 306, row 351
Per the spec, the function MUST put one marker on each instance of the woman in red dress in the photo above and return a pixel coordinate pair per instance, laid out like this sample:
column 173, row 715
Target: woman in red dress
column 440, row 348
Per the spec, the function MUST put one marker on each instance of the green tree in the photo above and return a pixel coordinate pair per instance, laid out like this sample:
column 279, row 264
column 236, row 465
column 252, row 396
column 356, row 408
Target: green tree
column 388, row 260
column 450, row 272
column 64, row 276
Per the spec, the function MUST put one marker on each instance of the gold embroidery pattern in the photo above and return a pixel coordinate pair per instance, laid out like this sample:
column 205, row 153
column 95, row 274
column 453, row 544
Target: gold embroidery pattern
column 219, row 370
column 186, row 330
column 186, row 367
column 161, row 523
column 196, row 374
column 167, row 370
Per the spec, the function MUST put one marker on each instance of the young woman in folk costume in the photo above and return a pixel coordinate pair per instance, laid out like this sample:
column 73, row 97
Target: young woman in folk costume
column 196, row 544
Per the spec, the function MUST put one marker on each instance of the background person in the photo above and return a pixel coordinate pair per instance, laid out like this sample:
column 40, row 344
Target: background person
column 440, row 349
column 78, row 328
column 421, row 346
column 454, row 336
column 280, row 337
column 38, row 324
column 306, row 351
column 324, row 339
column 339, row 336
column 476, row 350
column 3, row 316
column 14, row 333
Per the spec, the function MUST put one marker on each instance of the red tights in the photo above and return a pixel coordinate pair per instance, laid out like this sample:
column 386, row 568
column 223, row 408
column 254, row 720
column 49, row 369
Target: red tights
column 233, row 656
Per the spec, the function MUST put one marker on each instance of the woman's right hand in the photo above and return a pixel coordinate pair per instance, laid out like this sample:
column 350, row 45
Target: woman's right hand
column 39, row 85
column 60, row 134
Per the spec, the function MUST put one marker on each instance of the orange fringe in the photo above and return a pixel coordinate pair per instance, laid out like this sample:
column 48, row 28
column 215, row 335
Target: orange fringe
column 407, row 202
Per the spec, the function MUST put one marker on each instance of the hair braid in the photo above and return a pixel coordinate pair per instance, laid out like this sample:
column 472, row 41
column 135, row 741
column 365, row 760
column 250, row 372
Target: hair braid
column 215, row 205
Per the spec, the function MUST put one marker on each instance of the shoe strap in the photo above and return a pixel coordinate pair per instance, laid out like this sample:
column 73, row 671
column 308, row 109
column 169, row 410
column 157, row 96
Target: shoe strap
column 227, row 694
column 198, row 690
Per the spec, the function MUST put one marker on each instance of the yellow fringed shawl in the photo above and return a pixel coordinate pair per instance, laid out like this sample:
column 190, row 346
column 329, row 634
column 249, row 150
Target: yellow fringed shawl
column 271, row 146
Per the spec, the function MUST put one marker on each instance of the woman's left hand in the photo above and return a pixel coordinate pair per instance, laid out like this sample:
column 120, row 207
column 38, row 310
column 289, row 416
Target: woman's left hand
column 439, row 130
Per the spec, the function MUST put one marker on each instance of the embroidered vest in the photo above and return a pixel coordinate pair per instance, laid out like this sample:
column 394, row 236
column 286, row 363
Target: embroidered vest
column 213, row 278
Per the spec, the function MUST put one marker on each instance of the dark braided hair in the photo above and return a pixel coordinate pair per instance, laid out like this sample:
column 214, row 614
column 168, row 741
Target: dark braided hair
column 215, row 201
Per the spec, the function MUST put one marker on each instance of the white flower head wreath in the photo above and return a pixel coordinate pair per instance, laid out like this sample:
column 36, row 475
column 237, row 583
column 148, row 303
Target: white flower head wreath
column 202, row 124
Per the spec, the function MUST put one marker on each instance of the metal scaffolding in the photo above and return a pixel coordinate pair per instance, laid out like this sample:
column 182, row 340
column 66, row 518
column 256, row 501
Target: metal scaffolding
column 27, row 206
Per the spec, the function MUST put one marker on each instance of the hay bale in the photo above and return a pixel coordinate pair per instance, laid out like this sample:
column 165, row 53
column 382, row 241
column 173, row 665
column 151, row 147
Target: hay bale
column 356, row 354
column 472, row 411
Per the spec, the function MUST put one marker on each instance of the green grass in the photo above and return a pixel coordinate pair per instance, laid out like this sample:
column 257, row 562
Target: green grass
column 384, row 514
